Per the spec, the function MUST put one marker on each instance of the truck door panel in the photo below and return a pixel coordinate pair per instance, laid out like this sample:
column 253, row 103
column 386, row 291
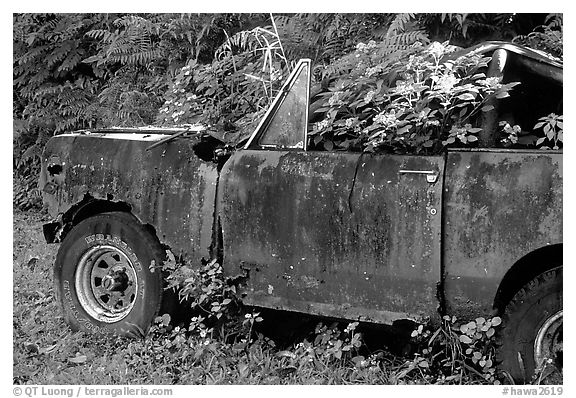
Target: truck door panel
column 341, row 234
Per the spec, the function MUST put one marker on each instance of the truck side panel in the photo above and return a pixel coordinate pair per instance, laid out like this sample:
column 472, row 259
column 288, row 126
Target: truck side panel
column 168, row 187
column 498, row 207
column 337, row 234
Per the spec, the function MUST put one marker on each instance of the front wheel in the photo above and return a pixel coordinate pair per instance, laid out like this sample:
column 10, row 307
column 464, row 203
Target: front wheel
column 531, row 338
column 107, row 275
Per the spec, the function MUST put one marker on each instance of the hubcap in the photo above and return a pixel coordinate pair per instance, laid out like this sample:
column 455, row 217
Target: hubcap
column 548, row 343
column 106, row 283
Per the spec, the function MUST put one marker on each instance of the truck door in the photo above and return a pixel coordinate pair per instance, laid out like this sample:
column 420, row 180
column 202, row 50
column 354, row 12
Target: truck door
column 339, row 234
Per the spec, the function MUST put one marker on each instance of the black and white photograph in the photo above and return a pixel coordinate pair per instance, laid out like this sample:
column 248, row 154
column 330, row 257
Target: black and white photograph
column 256, row 198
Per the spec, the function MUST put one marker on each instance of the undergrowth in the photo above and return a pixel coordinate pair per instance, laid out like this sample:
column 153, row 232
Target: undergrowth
column 453, row 353
column 222, row 341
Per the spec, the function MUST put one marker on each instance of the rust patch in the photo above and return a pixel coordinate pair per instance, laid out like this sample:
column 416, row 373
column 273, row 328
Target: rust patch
column 288, row 213
column 498, row 207
column 168, row 187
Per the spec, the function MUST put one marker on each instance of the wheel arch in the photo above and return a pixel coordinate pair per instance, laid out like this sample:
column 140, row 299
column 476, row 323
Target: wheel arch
column 526, row 269
column 90, row 207
column 86, row 208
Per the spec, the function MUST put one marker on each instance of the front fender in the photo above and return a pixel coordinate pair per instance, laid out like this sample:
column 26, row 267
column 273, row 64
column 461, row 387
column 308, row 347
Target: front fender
column 168, row 187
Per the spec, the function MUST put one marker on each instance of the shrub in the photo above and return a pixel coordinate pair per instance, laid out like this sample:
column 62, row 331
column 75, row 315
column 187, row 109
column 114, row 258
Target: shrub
column 456, row 352
column 233, row 91
column 414, row 100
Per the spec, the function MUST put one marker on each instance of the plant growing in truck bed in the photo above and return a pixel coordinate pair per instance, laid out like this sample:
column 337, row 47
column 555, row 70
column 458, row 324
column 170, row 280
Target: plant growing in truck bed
column 553, row 129
column 409, row 99
column 412, row 100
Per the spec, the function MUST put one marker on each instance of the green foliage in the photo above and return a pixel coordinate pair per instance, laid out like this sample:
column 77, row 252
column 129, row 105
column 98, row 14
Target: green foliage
column 410, row 100
column 547, row 37
column 52, row 88
column 75, row 71
column 553, row 129
column 456, row 352
column 204, row 287
column 324, row 37
column 233, row 91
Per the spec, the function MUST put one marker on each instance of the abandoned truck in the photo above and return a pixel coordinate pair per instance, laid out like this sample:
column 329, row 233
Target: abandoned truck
column 372, row 237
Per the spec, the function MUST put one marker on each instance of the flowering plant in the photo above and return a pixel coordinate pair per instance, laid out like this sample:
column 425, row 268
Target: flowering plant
column 410, row 101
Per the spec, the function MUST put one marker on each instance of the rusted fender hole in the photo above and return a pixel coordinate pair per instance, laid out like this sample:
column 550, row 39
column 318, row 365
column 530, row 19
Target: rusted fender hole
column 54, row 169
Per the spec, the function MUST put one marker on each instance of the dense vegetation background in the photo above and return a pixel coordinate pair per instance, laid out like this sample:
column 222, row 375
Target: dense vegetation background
column 74, row 71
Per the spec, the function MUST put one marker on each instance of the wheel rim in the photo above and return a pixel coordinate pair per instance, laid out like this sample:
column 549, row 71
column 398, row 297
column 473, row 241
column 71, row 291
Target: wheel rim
column 106, row 283
column 548, row 343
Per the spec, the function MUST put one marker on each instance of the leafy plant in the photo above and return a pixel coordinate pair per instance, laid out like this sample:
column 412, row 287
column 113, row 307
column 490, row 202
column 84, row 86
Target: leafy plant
column 547, row 37
column 27, row 149
column 331, row 342
column 75, row 71
column 455, row 351
column 250, row 320
column 204, row 288
column 467, row 29
column 553, row 128
column 510, row 134
column 413, row 100
column 325, row 37
column 202, row 351
column 234, row 90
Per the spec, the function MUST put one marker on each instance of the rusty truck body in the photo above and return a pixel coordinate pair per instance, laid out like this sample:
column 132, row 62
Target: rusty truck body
column 368, row 237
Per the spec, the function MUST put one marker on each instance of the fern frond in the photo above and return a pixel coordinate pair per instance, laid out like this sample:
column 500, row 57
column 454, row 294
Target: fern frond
column 59, row 53
column 105, row 36
column 33, row 54
column 71, row 61
column 404, row 40
column 399, row 24
column 50, row 24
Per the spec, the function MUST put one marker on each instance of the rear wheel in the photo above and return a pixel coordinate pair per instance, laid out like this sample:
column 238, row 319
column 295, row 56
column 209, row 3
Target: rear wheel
column 531, row 341
column 107, row 276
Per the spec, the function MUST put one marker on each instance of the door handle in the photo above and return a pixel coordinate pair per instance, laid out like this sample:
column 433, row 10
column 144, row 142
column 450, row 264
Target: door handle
column 431, row 176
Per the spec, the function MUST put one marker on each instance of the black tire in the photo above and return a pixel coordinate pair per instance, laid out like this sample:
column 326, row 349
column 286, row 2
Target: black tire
column 532, row 329
column 105, row 275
